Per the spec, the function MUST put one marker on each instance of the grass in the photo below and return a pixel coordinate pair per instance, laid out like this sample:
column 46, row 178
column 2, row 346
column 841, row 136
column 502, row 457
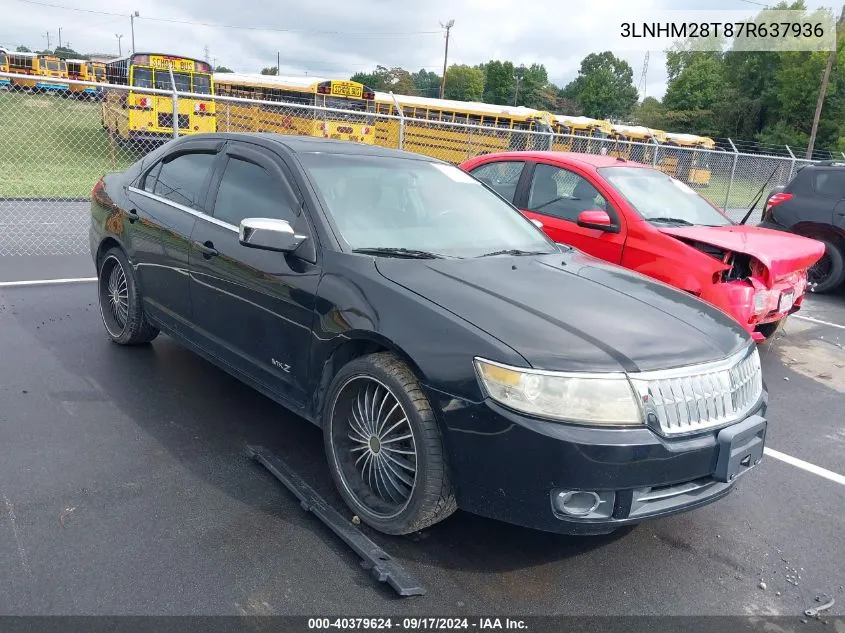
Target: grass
column 53, row 147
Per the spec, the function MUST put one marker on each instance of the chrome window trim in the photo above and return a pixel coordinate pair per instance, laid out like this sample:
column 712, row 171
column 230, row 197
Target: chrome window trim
column 182, row 207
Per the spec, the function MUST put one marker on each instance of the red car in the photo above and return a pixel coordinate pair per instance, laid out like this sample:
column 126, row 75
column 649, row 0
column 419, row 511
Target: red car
column 640, row 218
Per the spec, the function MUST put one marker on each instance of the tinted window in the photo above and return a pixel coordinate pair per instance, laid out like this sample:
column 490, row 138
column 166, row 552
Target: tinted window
column 142, row 77
column 502, row 176
column 150, row 179
column 830, row 184
column 562, row 194
column 248, row 191
column 181, row 179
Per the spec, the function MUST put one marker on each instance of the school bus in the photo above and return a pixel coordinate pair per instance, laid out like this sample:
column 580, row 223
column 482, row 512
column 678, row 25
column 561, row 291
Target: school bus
column 132, row 115
column 355, row 100
column 52, row 68
column 456, row 130
column 687, row 158
column 82, row 70
column 28, row 64
column 636, row 142
column 5, row 82
column 580, row 134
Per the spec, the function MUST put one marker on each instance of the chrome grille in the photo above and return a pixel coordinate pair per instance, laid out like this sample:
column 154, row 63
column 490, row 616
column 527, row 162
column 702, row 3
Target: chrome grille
column 690, row 399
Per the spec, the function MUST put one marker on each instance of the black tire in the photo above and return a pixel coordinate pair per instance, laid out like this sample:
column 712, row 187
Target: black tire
column 407, row 486
column 120, row 302
column 829, row 272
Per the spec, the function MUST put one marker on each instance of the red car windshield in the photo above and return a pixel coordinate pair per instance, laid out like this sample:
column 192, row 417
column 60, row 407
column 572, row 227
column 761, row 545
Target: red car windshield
column 660, row 199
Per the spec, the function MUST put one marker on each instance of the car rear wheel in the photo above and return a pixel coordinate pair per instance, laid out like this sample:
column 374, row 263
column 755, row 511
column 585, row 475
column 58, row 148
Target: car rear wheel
column 120, row 301
column 829, row 272
column 384, row 447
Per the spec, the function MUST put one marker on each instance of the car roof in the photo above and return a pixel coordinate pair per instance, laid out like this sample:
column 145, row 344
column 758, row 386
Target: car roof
column 569, row 158
column 313, row 144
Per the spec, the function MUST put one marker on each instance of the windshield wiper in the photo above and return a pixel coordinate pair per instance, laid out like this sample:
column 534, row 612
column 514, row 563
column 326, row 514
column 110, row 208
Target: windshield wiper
column 513, row 251
column 672, row 220
column 408, row 253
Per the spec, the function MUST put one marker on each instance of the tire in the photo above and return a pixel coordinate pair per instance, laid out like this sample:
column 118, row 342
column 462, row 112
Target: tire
column 829, row 272
column 374, row 401
column 120, row 302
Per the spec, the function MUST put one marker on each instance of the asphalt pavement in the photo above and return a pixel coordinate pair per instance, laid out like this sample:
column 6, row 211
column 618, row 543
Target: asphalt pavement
column 125, row 489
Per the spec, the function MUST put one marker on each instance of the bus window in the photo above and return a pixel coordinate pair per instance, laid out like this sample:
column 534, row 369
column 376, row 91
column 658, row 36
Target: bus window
column 162, row 81
column 142, row 78
column 202, row 84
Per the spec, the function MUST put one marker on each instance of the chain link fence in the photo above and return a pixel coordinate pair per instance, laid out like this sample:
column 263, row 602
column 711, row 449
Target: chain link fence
column 56, row 143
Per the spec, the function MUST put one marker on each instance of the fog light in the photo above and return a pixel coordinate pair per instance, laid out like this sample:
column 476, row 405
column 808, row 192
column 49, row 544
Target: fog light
column 584, row 503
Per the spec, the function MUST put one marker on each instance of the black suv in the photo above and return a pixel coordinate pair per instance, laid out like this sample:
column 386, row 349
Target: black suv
column 813, row 204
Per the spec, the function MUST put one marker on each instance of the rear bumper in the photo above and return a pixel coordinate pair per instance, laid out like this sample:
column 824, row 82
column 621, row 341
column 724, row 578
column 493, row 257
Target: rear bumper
column 511, row 467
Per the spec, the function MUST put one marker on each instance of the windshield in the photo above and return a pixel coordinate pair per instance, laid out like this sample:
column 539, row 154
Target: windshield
column 662, row 199
column 142, row 77
column 380, row 202
column 202, row 84
column 163, row 82
column 2, row 59
column 52, row 65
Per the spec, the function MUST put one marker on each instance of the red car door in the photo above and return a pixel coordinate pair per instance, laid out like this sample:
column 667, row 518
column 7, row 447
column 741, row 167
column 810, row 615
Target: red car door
column 558, row 197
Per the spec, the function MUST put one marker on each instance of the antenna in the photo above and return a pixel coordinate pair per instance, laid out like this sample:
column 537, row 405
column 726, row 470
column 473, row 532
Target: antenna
column 642, row 86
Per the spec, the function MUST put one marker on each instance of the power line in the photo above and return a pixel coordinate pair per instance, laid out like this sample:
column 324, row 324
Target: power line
column 236, row 26
column 759, row 4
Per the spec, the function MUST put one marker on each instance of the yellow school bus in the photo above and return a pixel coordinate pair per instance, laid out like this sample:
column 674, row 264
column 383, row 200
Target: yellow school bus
column 28, row 64
column 457, row 130
column 5, row 82
column 636, row 142
column 82, row 70
column 52, row 68
column 687, row 158
column 580, row 134
column 353, row 123
column 132, row 115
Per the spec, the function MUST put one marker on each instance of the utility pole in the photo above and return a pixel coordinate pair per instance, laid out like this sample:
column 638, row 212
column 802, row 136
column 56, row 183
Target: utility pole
column 448, row 26
column 518, row 74
column 48, row 40
column 278, row 62
column 823, row 88
column 119, row 48
column 60, row 37
column 132, row 17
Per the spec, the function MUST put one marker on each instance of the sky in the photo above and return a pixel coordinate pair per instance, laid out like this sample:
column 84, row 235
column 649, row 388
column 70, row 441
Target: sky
column 334, row 39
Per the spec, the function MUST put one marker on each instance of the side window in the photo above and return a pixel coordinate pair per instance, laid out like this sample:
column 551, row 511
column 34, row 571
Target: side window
column 562, row 194
column 501, row 176
column 181, row 179
column 249, row 191
column 830, row 184
column 150, row 178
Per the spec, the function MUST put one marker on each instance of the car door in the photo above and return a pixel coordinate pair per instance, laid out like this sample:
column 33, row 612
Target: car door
column 830, row 186
column 253, row 308
column 557, row 196
column 162, row 211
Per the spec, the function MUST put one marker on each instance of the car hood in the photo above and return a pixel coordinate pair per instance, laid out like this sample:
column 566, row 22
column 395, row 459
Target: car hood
column 570, row 311
column 782, row 253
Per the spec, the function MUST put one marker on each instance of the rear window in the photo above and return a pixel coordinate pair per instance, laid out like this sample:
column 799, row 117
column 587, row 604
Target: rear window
column 830, row 184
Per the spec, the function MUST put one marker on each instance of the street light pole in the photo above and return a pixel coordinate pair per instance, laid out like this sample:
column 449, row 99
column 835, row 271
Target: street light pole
column 448, row 26
column 119, row 48
column 517, row 74
column 132, row 17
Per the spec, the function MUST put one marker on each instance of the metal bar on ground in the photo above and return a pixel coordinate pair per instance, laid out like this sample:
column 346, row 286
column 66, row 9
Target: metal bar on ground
column 379, row 562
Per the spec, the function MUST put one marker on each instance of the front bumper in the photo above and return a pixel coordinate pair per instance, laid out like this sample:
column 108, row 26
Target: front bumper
column 509, row 467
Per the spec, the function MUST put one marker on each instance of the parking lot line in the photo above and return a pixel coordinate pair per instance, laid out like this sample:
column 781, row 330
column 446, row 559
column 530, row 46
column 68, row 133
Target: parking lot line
column 44, row 282
column 810, row 468
column 819, row 321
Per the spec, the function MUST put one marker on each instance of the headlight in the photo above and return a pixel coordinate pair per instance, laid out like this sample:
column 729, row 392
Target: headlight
column 605, row 399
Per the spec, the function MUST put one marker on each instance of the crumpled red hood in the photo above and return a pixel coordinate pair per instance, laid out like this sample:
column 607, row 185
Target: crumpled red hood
column 782, row 253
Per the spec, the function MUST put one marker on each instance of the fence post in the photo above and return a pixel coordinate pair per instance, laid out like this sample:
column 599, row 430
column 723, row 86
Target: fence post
column 401, row 121
column 175, row 104
column 792, row 164
column 731, row 179
column 656, row 152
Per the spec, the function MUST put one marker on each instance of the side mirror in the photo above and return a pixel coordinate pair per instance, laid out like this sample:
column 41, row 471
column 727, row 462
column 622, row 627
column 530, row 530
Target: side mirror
column 537, row 223
column 269, row 235
column 596, row 219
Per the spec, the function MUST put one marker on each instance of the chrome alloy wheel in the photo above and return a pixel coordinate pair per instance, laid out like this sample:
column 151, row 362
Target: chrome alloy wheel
column 373, row 446
column 114, row 296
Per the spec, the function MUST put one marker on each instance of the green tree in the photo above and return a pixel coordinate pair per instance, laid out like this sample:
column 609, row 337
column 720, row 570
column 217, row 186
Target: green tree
column 386, row 79
column 604, row 86
column 426, row 83
column 650, row 113
column 223, row 69
column 498, row 82
column 67, row 52
column 270, row 70
column 464, row 83
column 534, row 88
column 22, row 49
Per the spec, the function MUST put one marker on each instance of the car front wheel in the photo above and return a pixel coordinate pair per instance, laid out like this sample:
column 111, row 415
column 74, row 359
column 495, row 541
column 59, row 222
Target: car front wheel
column 384, row 447
column 120, row 301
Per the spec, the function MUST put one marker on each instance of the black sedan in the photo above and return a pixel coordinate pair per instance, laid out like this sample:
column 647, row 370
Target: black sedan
column 451, row 353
